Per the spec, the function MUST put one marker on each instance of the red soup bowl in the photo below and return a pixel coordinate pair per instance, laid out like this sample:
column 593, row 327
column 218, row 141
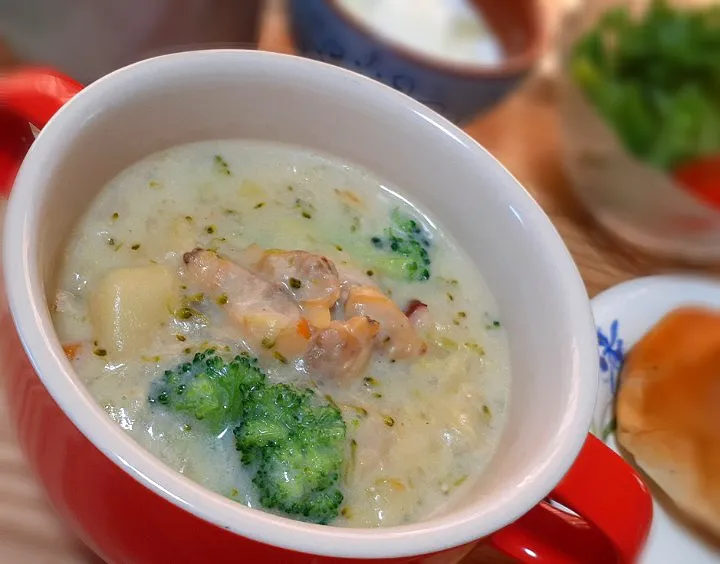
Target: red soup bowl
column 131, row 508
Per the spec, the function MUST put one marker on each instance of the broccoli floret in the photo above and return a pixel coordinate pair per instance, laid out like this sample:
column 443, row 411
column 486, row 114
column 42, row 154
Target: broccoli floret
column 405, row 244
column 293, row 441
column 208, row 388
column 297, row 443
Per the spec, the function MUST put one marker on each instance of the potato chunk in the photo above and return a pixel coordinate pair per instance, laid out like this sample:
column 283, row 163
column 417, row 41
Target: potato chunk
column 130, row 305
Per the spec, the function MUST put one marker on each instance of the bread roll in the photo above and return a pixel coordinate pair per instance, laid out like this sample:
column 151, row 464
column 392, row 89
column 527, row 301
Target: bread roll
column 668, row 411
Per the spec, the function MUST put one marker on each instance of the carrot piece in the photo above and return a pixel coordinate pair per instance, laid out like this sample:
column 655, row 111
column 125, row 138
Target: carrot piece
column 397, row 484
column 303, row 328
column 71, row 350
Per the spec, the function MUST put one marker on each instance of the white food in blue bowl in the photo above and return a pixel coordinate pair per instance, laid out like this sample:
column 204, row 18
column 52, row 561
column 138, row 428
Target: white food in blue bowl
column 458, row 57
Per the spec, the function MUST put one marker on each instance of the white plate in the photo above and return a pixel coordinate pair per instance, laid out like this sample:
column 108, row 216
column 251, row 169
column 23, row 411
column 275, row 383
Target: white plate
column 624, row 314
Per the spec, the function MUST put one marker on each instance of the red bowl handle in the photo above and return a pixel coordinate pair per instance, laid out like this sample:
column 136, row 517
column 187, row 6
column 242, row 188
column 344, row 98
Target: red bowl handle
column 614, row 513
column 27, row 96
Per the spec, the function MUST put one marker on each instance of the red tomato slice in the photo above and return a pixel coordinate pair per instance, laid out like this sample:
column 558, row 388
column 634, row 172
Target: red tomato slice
column 702, row 179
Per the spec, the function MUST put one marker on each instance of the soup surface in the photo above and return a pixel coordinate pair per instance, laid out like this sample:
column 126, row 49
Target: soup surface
column 317, row 270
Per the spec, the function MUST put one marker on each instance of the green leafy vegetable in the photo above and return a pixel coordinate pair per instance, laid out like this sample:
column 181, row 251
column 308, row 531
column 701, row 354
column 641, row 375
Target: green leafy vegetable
column 404, row 249
column 293, row 441
column 297, row 444
column 655, row 80
column 208, row 388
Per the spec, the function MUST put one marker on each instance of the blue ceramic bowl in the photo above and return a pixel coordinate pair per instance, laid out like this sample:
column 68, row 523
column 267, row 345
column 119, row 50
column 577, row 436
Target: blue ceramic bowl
column 323, row 30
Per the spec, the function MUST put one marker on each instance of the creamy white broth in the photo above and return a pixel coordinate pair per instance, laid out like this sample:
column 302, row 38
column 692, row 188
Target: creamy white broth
column 424, row 428
column 448, row 30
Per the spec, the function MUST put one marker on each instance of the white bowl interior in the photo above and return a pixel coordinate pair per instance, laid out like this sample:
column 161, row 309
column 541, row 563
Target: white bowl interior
column 190, row 97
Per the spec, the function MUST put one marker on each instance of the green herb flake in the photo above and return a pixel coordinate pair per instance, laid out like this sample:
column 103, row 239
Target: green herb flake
column 361, row 411
column 280, row 357
column 474, row 347
column 210, row 229
column 187, row 427
column 100, row 352
column 259, row 205
column 114, row 243
column 460, row 481
column 331, row 401
column 450, row 297
column 189, row 218
column 294, row 283
column 609, row 429
column 447, row 344
column 389, row 421
column 115, row 216
column 305, row 207
column 222, row 299
column 339, row 248
column 350, row 466
column 267, row 343
column 486, row 411
column 154, row 184
column 221, row 166
column 135, row 247
column 370, row 382
column 184, row 313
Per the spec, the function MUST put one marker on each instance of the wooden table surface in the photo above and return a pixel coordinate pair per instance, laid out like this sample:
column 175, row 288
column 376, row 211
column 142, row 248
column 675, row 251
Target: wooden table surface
column 523, row 134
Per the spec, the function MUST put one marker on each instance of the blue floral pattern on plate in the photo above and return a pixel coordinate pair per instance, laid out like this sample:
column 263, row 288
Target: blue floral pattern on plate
column 611, row 350
column 611, row 354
